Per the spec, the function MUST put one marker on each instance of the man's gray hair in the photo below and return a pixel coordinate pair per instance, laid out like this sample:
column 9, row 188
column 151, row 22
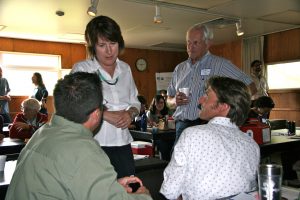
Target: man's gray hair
column 207, row 32
column 31, row 104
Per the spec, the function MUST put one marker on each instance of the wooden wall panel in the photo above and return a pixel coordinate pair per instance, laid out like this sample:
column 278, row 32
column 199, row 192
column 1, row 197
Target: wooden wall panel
column 70, row 53
column 158, row 61
column 78, row 53
column 6, row 44
column 282, row 46
column 287, row 105
column 231, row 51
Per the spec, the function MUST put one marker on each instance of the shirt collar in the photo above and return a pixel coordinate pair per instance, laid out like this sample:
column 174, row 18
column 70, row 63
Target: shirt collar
column 57, row 120
column 200, row 59
column 224, row 121
column 104, row 73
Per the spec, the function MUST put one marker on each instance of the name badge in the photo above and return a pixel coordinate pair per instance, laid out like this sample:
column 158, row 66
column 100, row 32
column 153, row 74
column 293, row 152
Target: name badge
column 205, row 72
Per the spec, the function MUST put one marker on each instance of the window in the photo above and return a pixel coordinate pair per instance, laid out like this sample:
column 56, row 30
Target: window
column 284, row 75
column 18, row 69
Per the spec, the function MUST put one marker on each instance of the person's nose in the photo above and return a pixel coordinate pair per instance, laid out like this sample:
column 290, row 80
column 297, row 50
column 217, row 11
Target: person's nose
column 108, row 48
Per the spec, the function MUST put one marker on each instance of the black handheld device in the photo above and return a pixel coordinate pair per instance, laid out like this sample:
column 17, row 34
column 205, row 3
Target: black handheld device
column 134, row 186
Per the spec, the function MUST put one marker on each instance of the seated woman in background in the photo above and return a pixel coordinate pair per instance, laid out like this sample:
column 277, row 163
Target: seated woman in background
column 27, row 122
column 261, row 108
column 158, row 110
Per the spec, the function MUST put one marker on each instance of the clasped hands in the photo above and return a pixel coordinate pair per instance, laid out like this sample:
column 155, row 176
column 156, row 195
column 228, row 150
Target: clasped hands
column 125, row 181
column 21, row 126
column 120, row 119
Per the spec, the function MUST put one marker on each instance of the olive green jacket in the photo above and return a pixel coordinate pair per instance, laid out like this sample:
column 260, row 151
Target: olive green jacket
column 63, row 161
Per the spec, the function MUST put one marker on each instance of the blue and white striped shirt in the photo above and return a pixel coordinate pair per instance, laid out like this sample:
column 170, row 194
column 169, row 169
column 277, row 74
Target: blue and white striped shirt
column 194, row 77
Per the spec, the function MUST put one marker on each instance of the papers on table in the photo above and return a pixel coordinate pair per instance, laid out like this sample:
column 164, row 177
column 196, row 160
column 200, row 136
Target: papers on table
column 139, row 157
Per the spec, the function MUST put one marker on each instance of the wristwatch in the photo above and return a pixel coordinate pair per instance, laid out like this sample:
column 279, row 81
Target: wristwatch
column 133, row 114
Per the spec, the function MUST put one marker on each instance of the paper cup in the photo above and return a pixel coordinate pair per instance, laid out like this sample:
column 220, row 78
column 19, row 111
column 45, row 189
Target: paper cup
column 186, row 91
column 2, row 162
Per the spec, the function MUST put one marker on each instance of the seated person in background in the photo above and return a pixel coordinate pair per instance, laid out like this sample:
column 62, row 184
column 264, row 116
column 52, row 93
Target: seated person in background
column 215, row 160
column 261, row 108
column 136, row 123
column 27, row 122
column 163, row 93
column 157, row 110
column 62, row 160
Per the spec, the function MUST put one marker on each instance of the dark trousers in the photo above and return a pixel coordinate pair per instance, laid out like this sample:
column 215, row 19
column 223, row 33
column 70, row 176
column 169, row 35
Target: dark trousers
column 6, row 118
column 121, row 158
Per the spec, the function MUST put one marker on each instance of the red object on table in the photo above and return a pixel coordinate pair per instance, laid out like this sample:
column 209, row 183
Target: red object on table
column 259, row 131
column 142, row 148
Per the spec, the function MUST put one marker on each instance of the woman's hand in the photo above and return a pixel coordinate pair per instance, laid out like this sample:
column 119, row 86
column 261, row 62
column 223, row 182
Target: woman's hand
column 120, row 119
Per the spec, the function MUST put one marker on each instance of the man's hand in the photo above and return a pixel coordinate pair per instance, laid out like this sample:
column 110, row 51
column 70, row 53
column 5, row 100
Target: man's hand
column 125, row 181
column 181, row 99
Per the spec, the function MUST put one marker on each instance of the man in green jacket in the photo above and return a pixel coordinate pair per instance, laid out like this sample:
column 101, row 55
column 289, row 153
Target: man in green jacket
column 62, row 160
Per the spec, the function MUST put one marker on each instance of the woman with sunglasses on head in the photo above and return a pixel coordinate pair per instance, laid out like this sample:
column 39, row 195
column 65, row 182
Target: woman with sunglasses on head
column 104, row 44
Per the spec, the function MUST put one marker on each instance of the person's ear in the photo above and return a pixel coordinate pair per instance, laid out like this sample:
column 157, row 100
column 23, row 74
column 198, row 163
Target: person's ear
column 224, row 107
column 97, row 114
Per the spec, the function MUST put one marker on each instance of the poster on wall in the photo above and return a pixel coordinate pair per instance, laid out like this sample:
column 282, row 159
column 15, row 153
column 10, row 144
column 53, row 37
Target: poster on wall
column 162, row 80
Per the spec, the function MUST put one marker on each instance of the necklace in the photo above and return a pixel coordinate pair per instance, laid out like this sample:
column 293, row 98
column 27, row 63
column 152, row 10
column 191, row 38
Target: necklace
column 106, row 81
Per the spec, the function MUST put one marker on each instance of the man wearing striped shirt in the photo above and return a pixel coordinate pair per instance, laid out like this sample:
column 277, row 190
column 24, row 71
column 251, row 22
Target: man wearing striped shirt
column 193, row 73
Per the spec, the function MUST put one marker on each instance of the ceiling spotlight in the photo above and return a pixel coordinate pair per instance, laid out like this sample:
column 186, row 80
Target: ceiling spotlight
column 239, row 30
column 157, row 18
column 92, row 10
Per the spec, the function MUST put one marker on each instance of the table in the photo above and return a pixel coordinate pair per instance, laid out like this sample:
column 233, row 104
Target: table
column 280, row 143
column 5, row 131
column 10, row 146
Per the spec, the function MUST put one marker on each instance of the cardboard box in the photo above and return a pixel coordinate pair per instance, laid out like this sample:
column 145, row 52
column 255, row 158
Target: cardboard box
column 142, row 148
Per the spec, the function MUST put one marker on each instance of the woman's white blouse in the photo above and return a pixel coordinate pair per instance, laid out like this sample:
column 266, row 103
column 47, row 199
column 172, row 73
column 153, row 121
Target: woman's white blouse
column 120, row 96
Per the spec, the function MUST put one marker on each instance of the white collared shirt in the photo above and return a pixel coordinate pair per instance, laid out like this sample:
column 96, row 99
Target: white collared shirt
column 120, row 96
column 211, row 161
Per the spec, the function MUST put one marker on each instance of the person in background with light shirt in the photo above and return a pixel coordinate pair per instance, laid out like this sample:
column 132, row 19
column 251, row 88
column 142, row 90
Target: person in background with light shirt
column 193, row 73
column 259, row 79
column 104, row 43
column 217, row 159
